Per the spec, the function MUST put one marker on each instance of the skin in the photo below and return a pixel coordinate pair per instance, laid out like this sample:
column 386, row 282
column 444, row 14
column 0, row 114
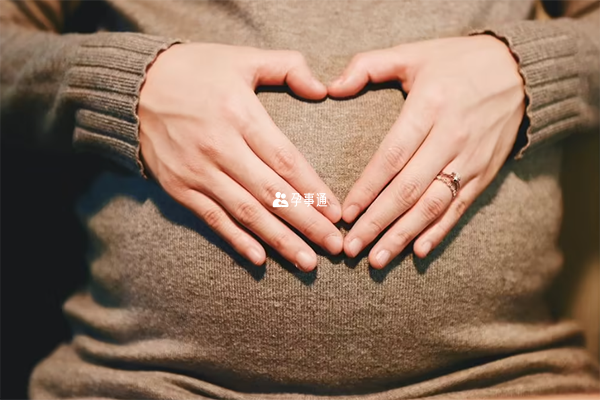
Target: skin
column 214, row 149
column 207, row 140
column 456, row 118
column 465, row 103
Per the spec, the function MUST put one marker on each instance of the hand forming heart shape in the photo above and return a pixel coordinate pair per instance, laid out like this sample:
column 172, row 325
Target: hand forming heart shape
column 455, row 119
column 466, row 100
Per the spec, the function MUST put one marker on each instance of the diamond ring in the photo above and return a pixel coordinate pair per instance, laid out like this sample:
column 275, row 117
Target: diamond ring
column 451, row 180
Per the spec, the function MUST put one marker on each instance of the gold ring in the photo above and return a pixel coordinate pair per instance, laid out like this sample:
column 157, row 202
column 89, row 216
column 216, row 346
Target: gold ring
column 451, row 180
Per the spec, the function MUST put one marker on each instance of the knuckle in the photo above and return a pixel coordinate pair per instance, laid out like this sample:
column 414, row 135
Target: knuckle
column 436, row 96
column 421, row 121
column 437, row 233
column 401, row 238
column 209, row 147
column 442, row 229
column 284, row 161
column 310, row 228
column 281, row 241
column 247, row 213
column 460, row 207
column 369, row 190
column 233, row 112
column 205, row 181
column 461, row 136
column 234, row 237
column 170, row 181
column 268, row 190
column 213, row 217
column 408, row 192
column 395, row 157
column 174, row 183
column 228, row 107
column 193, row 167
column 376, row 227
column 456, row 133
column 243, row 121
column 485, row 168
column 432, row 207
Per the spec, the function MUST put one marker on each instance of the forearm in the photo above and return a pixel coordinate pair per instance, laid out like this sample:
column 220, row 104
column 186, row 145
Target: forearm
column 61, row 91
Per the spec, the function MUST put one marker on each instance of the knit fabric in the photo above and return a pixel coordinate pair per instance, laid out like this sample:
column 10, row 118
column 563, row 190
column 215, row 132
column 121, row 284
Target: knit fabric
column 171, row 311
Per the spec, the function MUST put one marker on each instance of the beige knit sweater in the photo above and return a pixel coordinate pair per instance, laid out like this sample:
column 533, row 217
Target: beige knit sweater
column 172, row 312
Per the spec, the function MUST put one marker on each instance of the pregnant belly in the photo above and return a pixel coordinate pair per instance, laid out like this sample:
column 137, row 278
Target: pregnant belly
column 167, row 293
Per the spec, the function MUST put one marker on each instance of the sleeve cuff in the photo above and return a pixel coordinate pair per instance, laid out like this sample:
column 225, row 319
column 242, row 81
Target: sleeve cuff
column 546, row 52
column 104, row 83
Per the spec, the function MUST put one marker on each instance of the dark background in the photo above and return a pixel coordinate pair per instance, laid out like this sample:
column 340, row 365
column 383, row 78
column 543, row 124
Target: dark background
column 42, row 251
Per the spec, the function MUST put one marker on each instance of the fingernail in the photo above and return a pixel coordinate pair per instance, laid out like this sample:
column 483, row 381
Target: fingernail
column 351, row 213
column 255, row 256
column 383, row 257
column 426, row 248
column 305, row 261
column 354, row 247
column 334, row 244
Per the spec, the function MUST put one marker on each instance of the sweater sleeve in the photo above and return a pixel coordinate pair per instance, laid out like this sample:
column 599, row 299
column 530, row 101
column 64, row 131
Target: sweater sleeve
column 559, row 63
column 62, row 91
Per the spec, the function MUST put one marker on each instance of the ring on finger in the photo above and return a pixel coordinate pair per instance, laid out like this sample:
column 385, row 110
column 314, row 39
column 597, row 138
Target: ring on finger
column 452, row 180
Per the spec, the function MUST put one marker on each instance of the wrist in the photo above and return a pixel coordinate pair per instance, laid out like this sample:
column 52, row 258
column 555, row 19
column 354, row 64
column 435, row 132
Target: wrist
column 149, row 79
column 521, row 139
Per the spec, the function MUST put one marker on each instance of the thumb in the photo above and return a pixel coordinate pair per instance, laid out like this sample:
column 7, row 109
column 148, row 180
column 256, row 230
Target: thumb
column 278, row 67
column 373, row 66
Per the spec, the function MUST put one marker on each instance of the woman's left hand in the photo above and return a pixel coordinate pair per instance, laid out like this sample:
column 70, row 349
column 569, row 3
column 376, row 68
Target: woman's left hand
column 465, row 102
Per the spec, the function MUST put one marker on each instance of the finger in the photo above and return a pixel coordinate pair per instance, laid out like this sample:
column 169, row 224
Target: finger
column 406, row 135
column 374, row 66
column 434, row 202
column 219, row 221
column 263, row 183
column 249, row 212
column 400, row 195
column 279, row 153
column 279, row 67
column 441, row 227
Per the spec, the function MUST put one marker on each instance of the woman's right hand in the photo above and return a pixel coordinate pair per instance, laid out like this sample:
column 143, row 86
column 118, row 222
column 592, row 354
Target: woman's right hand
column 208, row 141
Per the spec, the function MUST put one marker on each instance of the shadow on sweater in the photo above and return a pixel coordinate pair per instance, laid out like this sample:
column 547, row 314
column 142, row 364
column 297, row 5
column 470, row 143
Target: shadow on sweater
column 116, row 183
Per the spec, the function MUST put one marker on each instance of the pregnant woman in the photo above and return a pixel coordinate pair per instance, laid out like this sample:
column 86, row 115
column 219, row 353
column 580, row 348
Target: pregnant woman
column 431, row 129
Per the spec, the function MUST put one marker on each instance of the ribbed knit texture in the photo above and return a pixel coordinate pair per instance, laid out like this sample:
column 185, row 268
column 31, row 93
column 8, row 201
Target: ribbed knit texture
column 171, row 311
column 104, row 81
column 559, row 63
